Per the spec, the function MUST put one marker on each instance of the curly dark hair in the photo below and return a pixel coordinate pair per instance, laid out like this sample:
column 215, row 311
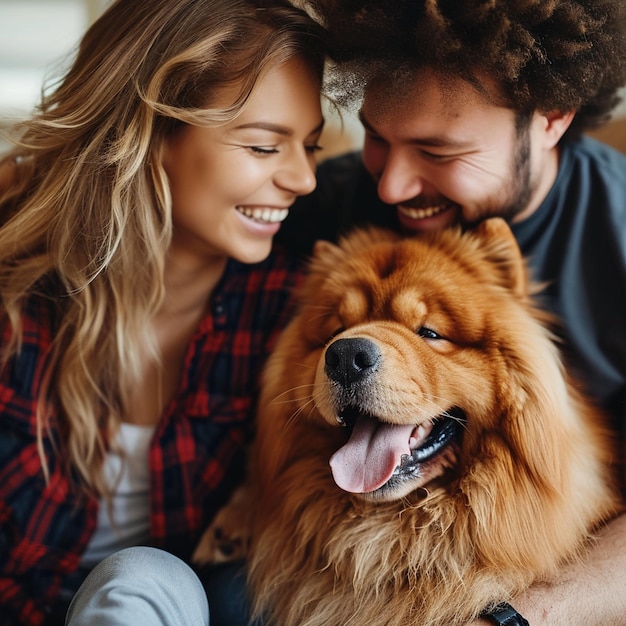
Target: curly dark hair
column 545, row 55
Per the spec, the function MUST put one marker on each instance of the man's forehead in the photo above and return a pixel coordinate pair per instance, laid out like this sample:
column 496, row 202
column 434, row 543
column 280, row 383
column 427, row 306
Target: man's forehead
column 400, row 93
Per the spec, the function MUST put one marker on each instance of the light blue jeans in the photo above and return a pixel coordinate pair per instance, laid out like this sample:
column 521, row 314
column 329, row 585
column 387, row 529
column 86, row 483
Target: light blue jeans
column 140, row 585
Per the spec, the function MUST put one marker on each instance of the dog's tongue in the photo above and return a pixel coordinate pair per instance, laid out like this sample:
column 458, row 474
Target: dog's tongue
column 372, row 453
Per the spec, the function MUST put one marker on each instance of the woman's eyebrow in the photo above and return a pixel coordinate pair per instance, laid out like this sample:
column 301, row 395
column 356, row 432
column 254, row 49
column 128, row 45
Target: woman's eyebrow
column 276, row 128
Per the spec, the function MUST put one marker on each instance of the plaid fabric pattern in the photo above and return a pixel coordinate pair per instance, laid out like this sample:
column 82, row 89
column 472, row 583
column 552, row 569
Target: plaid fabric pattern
column 196, row 455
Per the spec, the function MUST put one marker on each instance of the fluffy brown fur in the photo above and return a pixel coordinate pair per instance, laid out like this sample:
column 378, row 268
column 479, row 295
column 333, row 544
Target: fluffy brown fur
column 505, row 503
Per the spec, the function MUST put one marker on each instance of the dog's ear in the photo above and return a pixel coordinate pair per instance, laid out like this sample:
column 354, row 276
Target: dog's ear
column 500, row 248
column 325, row 256
column 328, row 255
column 322, row 249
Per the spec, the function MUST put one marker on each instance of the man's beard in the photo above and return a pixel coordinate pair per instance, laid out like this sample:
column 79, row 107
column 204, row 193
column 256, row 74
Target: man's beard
column 521, row 187
column 521, row 178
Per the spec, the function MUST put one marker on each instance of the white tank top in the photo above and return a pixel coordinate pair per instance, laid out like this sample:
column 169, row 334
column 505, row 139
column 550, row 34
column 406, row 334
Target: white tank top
column 128, row 478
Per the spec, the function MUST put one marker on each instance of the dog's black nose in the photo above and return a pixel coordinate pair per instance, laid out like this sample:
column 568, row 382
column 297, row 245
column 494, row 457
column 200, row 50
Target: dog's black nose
column 351, row 360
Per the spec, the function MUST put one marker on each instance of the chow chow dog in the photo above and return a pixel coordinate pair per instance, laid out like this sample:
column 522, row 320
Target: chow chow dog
column 421, row 454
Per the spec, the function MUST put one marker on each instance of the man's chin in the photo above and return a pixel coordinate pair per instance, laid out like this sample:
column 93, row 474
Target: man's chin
column 438, row 221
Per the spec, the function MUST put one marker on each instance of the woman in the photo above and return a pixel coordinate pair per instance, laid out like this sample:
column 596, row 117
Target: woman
column 138, row 297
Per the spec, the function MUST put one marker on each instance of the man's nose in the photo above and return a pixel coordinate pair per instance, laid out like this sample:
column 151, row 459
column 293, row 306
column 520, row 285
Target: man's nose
column 399, row 180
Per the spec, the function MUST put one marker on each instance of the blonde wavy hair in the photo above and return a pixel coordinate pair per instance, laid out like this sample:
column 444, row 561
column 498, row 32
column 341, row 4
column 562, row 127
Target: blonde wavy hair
column 86, row 219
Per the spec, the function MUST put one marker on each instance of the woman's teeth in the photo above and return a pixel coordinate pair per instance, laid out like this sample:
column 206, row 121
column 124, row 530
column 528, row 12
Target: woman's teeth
column 264, row 215
column 420, row 214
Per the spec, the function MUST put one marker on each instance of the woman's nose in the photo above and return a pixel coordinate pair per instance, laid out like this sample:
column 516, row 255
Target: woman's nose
column 297, row 174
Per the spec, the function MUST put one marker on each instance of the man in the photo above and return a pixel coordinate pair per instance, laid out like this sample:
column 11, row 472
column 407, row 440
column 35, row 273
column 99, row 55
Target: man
column 477, row 108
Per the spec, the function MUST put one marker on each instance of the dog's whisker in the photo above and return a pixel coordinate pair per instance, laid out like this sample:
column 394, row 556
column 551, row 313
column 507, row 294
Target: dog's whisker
column 440, row 411
column 298, row 400
column 459, row 420
column 321, row 307
column 438, row 403
column 322, row 313
column 277, row 399
column 294, row 416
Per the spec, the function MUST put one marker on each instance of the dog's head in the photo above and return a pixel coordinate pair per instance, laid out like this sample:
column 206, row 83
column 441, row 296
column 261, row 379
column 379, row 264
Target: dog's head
column 418, row 332
column 416, row 348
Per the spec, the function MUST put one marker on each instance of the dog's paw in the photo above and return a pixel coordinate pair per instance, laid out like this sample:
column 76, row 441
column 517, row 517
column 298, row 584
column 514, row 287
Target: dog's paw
column 228, row 536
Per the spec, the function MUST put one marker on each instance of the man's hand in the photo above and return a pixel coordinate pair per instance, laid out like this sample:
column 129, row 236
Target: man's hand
column 589, row 592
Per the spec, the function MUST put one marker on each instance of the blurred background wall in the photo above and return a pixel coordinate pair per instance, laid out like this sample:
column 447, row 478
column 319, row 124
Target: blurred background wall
column 35, row 36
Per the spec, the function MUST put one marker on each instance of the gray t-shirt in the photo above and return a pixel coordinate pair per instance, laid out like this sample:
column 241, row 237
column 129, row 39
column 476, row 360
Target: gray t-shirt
column 576, row 242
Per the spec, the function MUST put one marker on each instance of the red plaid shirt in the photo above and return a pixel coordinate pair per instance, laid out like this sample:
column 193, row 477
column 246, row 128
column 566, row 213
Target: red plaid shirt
column 196, row 455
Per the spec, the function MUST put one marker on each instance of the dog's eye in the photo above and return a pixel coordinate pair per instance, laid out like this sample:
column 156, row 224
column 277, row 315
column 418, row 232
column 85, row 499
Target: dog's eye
column 427, row 333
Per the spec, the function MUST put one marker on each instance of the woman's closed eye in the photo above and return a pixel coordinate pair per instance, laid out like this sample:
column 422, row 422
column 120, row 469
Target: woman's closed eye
column 263, row 149
column 313, row 148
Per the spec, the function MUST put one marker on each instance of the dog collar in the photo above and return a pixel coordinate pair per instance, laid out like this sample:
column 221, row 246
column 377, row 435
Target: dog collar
column 505, row 615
